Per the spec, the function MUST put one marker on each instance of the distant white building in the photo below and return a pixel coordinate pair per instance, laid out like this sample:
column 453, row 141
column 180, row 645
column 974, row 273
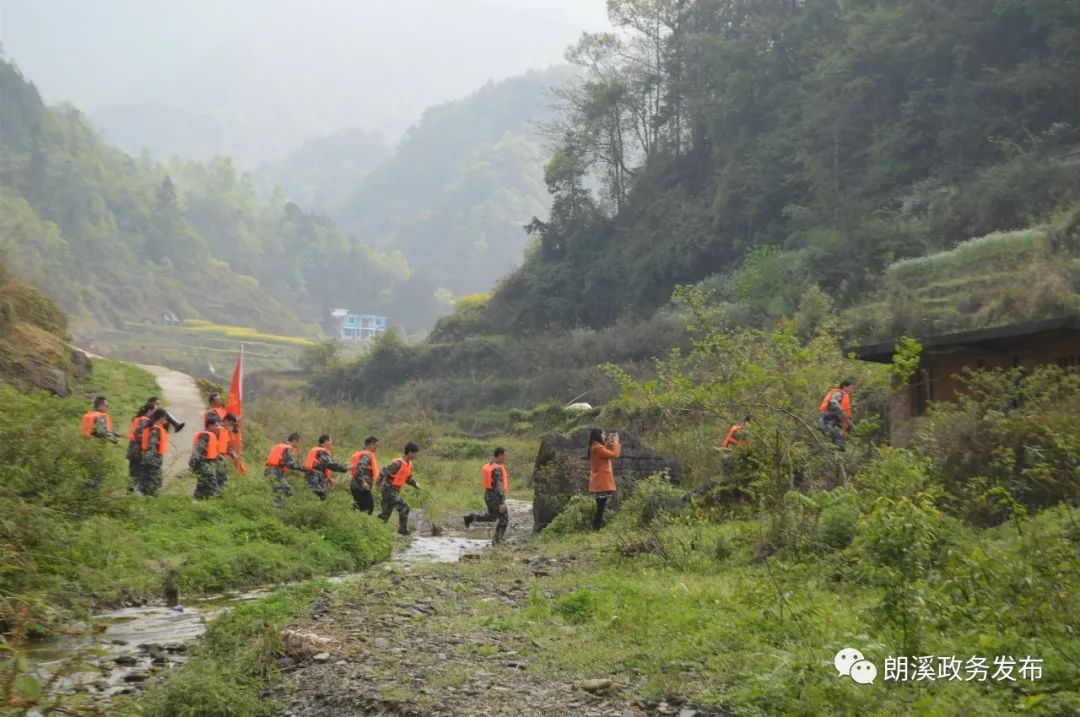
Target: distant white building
column 357, row 327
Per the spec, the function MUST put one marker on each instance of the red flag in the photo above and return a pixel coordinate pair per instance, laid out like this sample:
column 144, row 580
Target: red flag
column 235, row 406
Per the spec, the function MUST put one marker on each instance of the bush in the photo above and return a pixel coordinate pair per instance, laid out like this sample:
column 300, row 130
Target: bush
column 576, row 517
column 652, row 498
column 457, row 449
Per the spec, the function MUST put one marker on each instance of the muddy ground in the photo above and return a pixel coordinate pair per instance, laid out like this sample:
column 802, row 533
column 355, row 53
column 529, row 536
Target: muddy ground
column 405, row 640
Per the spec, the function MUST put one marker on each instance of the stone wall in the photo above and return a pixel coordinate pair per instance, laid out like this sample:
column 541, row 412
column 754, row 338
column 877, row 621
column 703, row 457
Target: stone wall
column 562, row 471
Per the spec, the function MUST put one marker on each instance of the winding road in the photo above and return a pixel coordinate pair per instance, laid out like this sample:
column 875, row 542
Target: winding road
column 181, row 396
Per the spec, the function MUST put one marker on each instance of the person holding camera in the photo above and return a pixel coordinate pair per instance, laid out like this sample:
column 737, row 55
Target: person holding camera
column 602, row 449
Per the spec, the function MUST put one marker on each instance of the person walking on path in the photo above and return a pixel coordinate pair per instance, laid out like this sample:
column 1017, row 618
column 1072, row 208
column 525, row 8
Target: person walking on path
column 206, row 458
column 283, row 457
column 602, row 449
column 835, row 408
column 393, row 478
column 155, row 443
column 364, row 469
column 496, row 481
column 319, row 464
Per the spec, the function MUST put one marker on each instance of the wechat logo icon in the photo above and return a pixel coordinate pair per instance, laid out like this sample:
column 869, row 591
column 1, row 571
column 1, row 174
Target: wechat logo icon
column 849, row 662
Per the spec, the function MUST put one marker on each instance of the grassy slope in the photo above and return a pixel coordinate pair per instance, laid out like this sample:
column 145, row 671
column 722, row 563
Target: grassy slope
column 84, row 550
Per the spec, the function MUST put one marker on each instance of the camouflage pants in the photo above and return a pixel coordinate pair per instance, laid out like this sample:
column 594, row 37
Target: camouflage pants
column 317, row 483
column 221, row 474
column 391, row 499
column 497, row 513
column 279, row 485
column 832, row 426
column 363, row 500
column 148, row 478
column 205, row 480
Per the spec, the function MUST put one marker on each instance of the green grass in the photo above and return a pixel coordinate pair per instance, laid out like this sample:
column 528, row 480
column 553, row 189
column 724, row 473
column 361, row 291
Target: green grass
column 232, row 662
column 241, row 333
column 999, row 250
column 67, row 549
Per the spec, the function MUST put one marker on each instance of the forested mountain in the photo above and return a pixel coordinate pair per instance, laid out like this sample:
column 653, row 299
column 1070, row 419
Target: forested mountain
column 102, row 234
column 776, row 145
column 115, row 240
column 461, row 184
column 322, row 173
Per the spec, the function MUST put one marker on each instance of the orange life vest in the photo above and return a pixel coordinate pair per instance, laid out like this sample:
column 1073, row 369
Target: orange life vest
column 404, row 472
column 163, row 439
column 488, row 477
column 355, row 463
column 89, row 419
column 137, row 423
column 730, row 439
column 213, row 450
column 276, row 459
column 312, row 456
column 845, row 401
column 218, row 410
column 224, row 438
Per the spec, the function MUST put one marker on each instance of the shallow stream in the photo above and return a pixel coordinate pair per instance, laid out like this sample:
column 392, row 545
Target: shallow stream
column 132, row 643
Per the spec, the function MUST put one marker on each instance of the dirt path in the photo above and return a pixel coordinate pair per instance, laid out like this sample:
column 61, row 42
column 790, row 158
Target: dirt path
column 182, row 398
column 423, row 639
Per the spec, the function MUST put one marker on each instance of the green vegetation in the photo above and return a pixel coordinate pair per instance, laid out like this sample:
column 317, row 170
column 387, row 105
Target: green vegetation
column 996, row 279
column 68, row 547
column 772, row 149
column 232, row 661
column 458, row 189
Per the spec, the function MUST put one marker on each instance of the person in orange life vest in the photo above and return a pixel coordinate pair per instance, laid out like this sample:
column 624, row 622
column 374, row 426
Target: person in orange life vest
column 319, row 464
column 97, row 423
column 364, row 469
column 736, row 437
column 394, row 477
column 155, row 403
column 282, row 458
column 835, row 421
column 226, row 435
column 602, row 449
column 154, row 444
column 134, row 449
column 205, row 458
column 214, row 399
column 496, row 481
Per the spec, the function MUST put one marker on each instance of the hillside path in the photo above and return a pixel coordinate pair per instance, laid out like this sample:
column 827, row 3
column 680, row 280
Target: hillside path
column 180, row 395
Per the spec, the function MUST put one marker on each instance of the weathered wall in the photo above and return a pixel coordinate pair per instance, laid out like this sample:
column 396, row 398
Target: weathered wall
column 562, row 470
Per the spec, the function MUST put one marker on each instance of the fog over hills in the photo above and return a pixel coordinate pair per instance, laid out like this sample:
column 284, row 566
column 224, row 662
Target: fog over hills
column 258, row 80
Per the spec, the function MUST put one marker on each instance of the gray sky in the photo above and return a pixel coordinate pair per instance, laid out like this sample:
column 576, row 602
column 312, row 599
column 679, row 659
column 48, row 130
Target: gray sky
column 259, row 77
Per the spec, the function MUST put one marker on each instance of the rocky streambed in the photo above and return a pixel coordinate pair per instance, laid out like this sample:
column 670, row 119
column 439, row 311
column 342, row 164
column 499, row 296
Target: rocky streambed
column 122, row 649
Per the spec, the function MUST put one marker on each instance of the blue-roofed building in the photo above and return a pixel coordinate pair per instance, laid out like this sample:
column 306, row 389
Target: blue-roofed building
column 357, row 327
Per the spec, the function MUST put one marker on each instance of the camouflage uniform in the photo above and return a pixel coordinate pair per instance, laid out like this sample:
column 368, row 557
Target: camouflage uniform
column 276, row 474
column 134, row 453
column 391, row 497
column 316, row 479
column 149, row 478
column 221, row 468
column 832, row 420
column 206, row 483
column 496, row 505
column 360, row 486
